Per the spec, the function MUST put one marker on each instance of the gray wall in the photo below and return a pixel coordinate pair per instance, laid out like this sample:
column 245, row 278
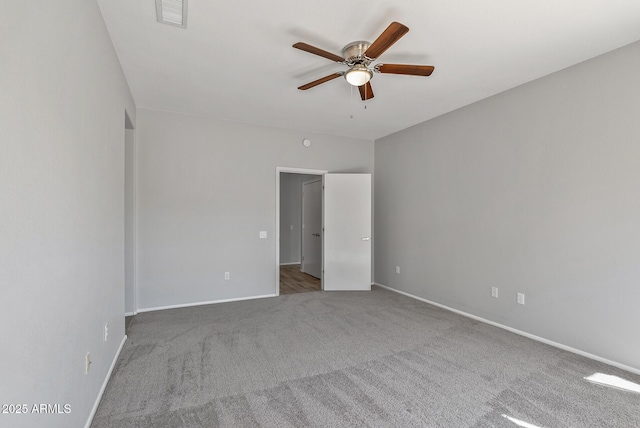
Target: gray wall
column 61, row 206
column 535, row 190
column 291, row 216
column 205, row 189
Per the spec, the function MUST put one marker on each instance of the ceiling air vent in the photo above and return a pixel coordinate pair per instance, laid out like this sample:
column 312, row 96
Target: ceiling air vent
column 172, row 12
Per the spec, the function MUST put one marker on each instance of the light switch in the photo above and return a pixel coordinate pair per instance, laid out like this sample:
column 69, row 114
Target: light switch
column 263, row 234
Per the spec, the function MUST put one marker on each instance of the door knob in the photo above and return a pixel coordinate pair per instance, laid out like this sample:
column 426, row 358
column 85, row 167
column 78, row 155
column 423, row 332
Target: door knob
column 365, row 238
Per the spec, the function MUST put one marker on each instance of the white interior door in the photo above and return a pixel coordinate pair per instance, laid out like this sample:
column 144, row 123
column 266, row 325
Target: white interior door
column 312, row 228
column 347, row 232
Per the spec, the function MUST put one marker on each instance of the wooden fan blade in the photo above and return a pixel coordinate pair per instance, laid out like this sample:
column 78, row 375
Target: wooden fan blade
column 392, row 34
column 319, row 81
column 366, row 93
column 317, row 51
column 413, row 70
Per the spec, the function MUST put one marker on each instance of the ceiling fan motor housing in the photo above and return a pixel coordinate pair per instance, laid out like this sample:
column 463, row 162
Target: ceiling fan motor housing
column 353, row 53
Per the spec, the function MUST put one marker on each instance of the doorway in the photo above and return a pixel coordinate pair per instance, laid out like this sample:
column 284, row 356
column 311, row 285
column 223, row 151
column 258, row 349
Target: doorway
column 346, row 246
column 291, row 275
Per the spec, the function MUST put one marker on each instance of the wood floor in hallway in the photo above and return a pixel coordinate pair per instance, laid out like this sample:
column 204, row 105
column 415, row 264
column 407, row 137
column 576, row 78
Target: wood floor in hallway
column 293, row 281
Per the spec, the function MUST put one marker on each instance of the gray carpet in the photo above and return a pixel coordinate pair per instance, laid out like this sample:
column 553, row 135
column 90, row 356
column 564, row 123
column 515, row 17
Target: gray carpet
column 349, row 359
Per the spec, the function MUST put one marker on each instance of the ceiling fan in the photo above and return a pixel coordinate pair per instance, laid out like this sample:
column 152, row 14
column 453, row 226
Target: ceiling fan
column 359, row 55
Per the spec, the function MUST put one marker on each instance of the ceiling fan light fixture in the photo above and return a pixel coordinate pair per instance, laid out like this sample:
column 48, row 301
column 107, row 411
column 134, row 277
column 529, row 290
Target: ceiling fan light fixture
column 358, row 75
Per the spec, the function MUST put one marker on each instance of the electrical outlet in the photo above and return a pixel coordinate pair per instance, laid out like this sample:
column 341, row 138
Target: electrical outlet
column 227, row 275
column 87, row 363
column 263, row 234
column 521, row 298
column 106, row 331
column 494, row 292
column 398, row 270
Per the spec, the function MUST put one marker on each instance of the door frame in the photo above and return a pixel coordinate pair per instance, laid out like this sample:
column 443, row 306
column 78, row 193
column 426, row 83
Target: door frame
column 134, row 211
column 290, row 170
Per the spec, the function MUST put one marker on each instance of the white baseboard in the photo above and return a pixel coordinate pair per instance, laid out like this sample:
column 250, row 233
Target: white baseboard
column 211, row 302
column 130, row 314
column 290, row 263
column 104, row 384
column 521, row 333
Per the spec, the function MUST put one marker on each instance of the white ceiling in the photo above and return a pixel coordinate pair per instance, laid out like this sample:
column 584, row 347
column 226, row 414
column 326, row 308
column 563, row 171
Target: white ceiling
column 235, row 61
